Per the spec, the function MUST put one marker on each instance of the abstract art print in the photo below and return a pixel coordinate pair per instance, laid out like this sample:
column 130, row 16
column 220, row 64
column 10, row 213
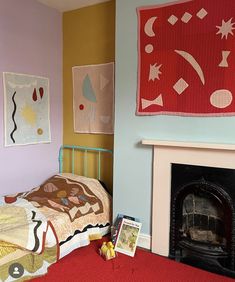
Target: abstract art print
column 93, row 98
column 186, row 58
column 26, row 109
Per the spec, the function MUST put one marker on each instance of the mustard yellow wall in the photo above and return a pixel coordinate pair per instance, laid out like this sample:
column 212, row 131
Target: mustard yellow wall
column 88, row 38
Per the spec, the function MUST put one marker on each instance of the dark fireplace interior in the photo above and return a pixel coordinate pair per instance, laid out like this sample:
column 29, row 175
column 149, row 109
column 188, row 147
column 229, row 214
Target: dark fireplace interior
column 202, row 231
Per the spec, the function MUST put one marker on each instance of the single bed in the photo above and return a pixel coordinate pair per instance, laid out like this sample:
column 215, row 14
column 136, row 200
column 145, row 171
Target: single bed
column 42, row 225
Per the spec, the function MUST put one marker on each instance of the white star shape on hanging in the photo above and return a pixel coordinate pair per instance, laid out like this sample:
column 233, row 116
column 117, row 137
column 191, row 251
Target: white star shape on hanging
column 226, row 28
column 154, row 72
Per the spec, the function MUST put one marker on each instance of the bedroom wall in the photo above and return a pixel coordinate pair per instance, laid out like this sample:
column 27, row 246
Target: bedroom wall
column 31, row 43
column 88, row 38
column 133, row 161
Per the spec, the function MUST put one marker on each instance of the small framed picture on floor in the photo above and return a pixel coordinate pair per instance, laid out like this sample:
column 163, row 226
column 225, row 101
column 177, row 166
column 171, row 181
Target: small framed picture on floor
column 128, row 237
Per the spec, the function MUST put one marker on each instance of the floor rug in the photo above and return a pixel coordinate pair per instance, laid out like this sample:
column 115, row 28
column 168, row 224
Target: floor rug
column 85, row 265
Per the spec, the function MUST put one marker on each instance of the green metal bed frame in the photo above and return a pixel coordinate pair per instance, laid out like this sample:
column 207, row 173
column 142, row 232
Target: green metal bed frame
column 85, row 150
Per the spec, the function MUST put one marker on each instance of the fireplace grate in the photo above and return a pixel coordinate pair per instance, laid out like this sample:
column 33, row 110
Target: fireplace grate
column 202, row 222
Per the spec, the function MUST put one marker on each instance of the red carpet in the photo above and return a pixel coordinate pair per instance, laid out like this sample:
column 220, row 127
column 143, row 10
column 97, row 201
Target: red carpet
column 85, row 265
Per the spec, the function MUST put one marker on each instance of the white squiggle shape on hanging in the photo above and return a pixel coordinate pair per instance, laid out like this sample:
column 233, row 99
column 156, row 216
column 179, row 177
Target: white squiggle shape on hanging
column 190, row 59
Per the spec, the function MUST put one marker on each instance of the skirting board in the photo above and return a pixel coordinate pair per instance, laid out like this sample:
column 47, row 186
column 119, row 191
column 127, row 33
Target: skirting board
column 144, row 241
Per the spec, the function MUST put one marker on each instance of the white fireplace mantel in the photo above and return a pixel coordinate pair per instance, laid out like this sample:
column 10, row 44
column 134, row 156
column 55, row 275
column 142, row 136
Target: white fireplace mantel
column 166, row 153
column 198, row 145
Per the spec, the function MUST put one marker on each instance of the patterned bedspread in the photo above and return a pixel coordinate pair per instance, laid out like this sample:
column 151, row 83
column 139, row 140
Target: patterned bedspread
column 40, row 226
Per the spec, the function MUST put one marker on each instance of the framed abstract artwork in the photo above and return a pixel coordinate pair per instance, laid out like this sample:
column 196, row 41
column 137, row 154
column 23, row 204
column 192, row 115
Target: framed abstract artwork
column 26, row 109
column 93, row 98
column 186, row 58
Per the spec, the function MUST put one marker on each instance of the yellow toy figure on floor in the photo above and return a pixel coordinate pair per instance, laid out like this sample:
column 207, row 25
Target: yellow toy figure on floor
column 107, row 250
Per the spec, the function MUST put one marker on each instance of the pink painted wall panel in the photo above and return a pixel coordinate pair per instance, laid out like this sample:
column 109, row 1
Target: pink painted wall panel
column 31, row 43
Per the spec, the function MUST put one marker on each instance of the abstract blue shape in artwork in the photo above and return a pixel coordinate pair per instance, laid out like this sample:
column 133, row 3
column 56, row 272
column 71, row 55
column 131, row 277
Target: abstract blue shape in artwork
column 87, row 89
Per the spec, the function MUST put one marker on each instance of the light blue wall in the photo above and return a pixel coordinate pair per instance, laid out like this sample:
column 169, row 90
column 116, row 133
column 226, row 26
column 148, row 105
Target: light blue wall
column 132, row 161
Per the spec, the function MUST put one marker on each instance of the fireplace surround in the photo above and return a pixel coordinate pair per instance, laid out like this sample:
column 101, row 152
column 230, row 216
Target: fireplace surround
column 169, row 230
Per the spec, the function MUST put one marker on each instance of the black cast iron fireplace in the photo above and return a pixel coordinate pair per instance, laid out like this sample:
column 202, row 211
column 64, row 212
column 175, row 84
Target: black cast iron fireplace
column 202, row 231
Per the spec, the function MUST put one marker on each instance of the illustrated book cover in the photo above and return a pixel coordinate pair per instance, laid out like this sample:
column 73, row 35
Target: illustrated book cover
column 127, row 238
column 116, row 226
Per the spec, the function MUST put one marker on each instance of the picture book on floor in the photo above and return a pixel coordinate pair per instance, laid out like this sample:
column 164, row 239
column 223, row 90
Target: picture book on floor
column 127, row 237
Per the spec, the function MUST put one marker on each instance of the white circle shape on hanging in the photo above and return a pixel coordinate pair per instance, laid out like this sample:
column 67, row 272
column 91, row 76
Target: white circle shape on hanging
column 221, row 98
column 149, row 48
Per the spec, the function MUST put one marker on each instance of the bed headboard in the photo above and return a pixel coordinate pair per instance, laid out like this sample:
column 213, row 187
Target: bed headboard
column 97, row 152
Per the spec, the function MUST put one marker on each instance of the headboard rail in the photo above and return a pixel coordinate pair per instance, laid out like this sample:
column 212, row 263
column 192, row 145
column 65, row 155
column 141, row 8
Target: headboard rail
column 85, row 151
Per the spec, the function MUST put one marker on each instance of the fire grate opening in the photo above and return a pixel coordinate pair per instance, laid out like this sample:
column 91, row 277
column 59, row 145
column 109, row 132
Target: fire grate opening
column 202, row 218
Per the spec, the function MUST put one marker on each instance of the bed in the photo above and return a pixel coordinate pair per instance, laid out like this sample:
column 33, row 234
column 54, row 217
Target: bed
column 44, row 224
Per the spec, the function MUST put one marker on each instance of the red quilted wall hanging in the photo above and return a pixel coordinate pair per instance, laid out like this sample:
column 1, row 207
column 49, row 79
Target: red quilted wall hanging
column 186, row 63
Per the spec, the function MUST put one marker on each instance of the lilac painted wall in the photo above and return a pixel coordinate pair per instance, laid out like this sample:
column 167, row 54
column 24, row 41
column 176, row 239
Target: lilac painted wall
column 31, row 43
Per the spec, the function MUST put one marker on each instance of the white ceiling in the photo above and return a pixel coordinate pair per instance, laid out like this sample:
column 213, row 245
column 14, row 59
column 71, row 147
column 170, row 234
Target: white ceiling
column 68, row 5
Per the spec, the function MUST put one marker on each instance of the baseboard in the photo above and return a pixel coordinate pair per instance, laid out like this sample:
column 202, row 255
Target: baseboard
column 144, row 241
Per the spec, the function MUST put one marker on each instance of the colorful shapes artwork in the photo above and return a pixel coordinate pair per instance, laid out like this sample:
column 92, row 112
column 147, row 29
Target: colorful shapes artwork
column 186, row 58
column 93, row 98
column 26, row 107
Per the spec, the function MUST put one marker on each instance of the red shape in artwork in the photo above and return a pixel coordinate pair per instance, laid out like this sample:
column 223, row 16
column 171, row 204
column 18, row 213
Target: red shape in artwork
column 41, row 92
column 10, row 200
column 81, row 107
column 34, row 95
